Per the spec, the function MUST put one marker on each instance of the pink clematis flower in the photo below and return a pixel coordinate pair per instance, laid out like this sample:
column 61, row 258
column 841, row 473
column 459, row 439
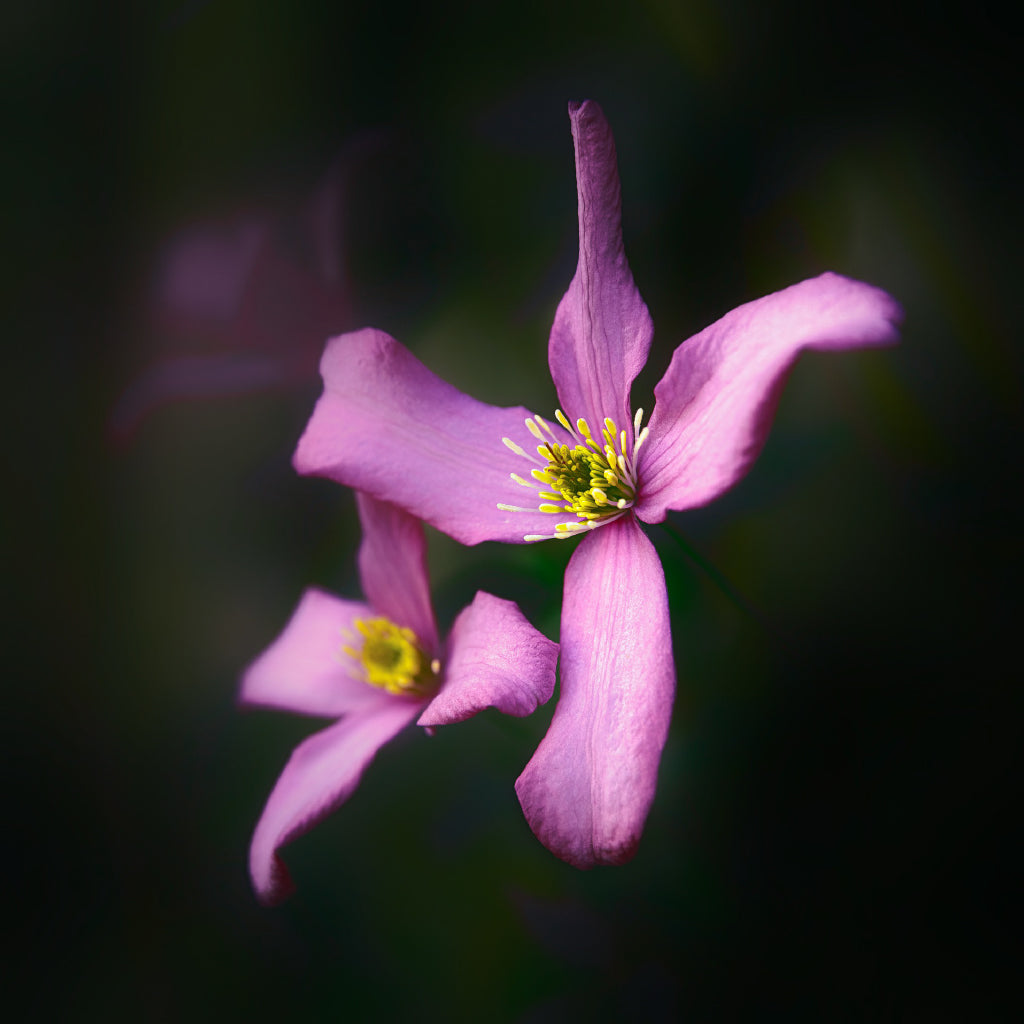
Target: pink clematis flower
column 235, row 310
column 376, row 666
column 387, row 425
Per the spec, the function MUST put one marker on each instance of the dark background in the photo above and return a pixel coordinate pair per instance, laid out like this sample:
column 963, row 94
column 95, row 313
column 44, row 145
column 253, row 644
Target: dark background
column 830, row 839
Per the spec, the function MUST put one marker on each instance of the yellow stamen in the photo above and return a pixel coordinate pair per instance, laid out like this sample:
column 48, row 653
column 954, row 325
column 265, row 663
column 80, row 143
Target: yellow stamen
column 513, row 446
column 594, row 481
column 391, row 658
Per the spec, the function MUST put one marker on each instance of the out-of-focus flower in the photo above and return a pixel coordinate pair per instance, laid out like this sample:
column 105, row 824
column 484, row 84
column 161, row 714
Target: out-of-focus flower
column 376, row 666
column 241, row 306
column 387, row 425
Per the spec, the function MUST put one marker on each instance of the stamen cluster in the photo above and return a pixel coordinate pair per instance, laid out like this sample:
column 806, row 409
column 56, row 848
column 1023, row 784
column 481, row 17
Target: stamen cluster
column 391, row 658
column 595, row 482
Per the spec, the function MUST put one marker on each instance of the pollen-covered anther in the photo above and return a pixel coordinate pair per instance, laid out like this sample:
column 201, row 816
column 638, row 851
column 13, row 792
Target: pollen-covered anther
column 390, row 657
column 593, row 480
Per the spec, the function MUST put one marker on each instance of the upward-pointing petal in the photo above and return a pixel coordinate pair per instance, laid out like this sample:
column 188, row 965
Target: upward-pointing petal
column 589, row 785
column 602, row 330
column 393, row 568
column 715, row 404
column 388, row 426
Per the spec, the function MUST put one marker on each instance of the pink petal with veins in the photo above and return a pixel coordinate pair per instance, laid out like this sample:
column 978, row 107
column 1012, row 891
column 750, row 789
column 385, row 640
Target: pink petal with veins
column 320, row 775
column 602, row 330
column 393, row 568
column 587, row 790
column 305, row 669
column 388, row 426
column 715, row 404
column 495, row 659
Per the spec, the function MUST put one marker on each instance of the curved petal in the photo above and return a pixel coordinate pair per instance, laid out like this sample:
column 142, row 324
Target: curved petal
column 717, row 399
column 388, row 426
column 305, row 669
column 495, row 659
column 587, row 790
column 321, row 774
column 393, row 568
column 602, row 330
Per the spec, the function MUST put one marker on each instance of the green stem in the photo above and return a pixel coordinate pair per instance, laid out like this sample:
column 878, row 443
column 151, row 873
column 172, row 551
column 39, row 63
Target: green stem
column 715, row 576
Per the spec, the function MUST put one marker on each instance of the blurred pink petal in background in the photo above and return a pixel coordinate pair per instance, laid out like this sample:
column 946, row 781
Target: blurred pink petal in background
column 241, row 304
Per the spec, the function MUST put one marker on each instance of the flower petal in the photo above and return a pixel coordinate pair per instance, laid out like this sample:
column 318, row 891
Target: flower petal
column 187, row 378
column 602, row 330
column 495, row 659
column 388, row 426
column 321, row 774
column 717, row 398
column 393, row 568
column 305, row 669
column 587, row 790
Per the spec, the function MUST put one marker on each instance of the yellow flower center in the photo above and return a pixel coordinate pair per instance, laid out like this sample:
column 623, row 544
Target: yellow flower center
column 391, row 658
column 595, row 482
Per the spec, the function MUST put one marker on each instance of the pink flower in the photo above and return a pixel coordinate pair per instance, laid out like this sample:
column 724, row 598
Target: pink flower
column 376, row 666
column 236, row 310
column 387, row 425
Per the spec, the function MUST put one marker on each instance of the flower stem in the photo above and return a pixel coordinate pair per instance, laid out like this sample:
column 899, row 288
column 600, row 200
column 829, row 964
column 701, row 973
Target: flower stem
column 716, row 577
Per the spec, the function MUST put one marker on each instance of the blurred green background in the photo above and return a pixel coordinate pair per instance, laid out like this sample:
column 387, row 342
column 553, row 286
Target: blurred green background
column 830, row 836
